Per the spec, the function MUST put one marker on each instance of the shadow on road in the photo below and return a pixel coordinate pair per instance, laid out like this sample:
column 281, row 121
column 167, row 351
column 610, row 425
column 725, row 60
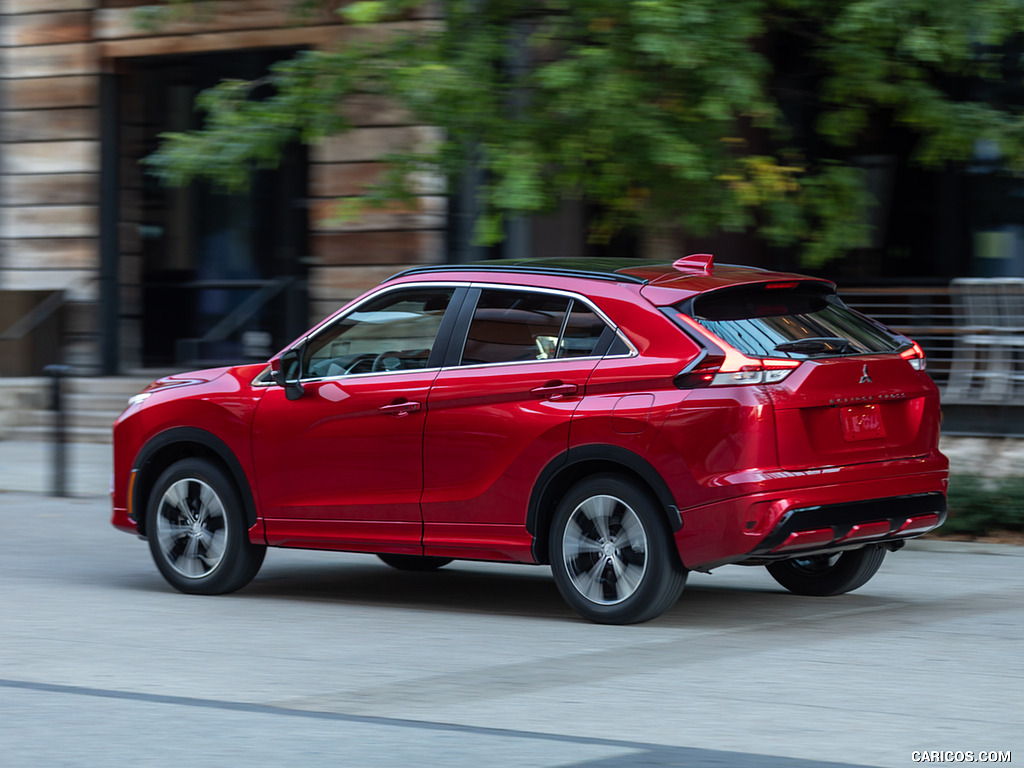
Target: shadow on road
column 530, row 592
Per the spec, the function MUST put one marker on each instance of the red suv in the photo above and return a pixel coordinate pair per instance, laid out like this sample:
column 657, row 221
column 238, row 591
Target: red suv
column 621, row 420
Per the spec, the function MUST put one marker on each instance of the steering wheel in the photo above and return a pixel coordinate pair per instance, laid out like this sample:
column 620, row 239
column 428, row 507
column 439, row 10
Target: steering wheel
column 359, row 361
column 381, row 361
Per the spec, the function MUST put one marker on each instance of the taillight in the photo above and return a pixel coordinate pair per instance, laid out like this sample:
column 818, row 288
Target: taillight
column 915, row 356
column 729, row 367
column 701, row 375
column 768, row 371
column 716, row 371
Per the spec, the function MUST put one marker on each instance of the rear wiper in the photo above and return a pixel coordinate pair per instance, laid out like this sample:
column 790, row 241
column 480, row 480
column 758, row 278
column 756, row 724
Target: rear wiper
column 817, row 345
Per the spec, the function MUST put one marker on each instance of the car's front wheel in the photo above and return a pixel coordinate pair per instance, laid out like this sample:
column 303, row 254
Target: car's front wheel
column 196, row 530
column 611, row 553
column 824, row 575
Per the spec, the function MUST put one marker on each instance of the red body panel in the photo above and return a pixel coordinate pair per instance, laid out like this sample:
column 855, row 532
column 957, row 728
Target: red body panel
column 335, row 471
column 488, row 436
column 898, row 402
column 220, row 402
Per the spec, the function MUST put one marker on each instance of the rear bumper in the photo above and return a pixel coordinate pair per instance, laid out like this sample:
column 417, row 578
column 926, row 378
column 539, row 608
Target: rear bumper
column 781, row 523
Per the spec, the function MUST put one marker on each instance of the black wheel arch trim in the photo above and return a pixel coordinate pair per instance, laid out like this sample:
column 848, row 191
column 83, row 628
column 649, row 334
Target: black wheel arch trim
column 207, row 440
column 606, row 453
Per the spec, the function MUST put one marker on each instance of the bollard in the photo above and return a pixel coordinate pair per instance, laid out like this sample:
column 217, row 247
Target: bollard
column 60, row 428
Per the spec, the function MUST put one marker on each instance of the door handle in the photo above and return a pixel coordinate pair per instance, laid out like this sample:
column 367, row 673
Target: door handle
column 555, row 390
column 399, row 409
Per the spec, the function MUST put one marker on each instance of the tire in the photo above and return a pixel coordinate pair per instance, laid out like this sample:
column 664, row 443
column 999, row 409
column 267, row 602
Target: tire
column 415, row 562
column 612, row 556
column 824, row 575
column 197, row 531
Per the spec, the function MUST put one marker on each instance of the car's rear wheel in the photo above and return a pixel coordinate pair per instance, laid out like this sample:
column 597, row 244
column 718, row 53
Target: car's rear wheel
column 611, row 553
column 196, row 530
column 415, row 562
column 824, row 575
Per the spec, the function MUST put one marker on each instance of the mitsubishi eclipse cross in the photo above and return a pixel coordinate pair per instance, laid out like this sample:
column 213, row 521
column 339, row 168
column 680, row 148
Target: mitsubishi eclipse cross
column 622, row 421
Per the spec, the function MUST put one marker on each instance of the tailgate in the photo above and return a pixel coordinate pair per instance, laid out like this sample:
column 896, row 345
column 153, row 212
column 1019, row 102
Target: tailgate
column 853, row 409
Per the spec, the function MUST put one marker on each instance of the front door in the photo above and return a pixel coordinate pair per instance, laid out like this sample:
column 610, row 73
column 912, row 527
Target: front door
column 342, row 466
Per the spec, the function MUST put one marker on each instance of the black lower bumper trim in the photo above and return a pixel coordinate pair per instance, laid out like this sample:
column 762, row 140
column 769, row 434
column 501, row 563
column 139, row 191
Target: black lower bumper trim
column 896, row 510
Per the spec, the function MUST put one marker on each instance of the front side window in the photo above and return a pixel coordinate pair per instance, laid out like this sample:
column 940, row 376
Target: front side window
column 513, row 326
column 393, row 332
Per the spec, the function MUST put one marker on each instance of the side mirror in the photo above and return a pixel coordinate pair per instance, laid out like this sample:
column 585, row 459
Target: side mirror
column 285, row 370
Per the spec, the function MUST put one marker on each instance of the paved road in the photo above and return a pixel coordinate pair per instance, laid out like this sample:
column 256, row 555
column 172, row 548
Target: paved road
column 336, row 660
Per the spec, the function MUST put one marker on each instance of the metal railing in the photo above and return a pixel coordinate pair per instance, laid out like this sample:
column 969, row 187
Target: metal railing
column 925, row 314
column 988, row 360
column 971, row 330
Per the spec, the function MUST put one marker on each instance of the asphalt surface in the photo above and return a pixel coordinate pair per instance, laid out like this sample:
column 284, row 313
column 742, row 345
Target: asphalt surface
column 337, row 660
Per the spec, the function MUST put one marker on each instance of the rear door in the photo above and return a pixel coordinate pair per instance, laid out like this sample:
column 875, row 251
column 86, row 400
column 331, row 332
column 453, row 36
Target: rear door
column 860, row 393
column 499, row 413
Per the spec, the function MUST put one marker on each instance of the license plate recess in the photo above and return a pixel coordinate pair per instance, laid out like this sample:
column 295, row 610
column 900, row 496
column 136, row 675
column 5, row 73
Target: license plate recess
column 862, row 422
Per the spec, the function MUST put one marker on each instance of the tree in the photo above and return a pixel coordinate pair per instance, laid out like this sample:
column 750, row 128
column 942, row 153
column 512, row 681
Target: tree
column 709, row 116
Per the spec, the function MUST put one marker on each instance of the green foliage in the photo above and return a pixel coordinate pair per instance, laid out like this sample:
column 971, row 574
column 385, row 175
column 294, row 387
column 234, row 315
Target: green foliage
column 979, row 506
column 661, row 112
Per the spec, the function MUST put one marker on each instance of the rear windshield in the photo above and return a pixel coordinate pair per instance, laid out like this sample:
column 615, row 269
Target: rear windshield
column 799, row 320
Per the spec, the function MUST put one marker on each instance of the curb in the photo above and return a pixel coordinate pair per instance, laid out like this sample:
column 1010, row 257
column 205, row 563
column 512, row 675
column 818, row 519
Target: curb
column 964, row 547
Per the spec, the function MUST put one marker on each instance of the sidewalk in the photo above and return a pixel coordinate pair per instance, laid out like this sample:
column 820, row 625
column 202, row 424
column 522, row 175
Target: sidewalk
column 27, row 466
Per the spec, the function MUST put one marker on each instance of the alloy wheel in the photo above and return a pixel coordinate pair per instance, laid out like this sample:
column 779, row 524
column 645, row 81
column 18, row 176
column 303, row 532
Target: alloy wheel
column 192, row 528
column 604, row 549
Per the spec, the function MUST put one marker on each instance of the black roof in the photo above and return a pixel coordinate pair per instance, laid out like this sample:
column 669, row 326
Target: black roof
column 594, row 268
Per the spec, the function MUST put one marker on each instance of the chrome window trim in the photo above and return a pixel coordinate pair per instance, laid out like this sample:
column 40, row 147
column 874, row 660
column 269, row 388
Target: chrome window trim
column 522, row 362
column 256, row 379
column 355, row 308
column 353, row 376
column 633, row 351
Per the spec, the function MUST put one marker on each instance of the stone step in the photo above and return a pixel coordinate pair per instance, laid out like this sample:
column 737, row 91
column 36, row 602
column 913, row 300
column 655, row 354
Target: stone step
column 106, row 386
column 99, row 419
column 38, row 433
column 91, row 404
column 105, row 403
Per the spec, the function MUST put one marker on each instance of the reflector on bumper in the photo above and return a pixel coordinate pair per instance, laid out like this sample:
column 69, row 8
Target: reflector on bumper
column 917, row 525
column 804, row 539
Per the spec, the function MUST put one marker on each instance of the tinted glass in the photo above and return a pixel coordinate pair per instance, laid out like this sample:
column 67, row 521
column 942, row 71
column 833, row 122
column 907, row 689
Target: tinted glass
column 583, row 329
column 799, row 322
column 510, row 326
column 393, row 332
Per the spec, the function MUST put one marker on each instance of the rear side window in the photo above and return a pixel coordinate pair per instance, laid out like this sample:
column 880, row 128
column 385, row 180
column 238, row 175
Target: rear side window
column 796, row 320
column 582, row 332
column 513, row 326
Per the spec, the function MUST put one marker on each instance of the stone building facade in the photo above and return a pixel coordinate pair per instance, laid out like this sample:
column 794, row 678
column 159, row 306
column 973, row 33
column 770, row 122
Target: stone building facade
column 155, row 277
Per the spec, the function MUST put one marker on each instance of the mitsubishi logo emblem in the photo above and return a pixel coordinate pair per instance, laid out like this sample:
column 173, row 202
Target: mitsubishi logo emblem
column 864, row 377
